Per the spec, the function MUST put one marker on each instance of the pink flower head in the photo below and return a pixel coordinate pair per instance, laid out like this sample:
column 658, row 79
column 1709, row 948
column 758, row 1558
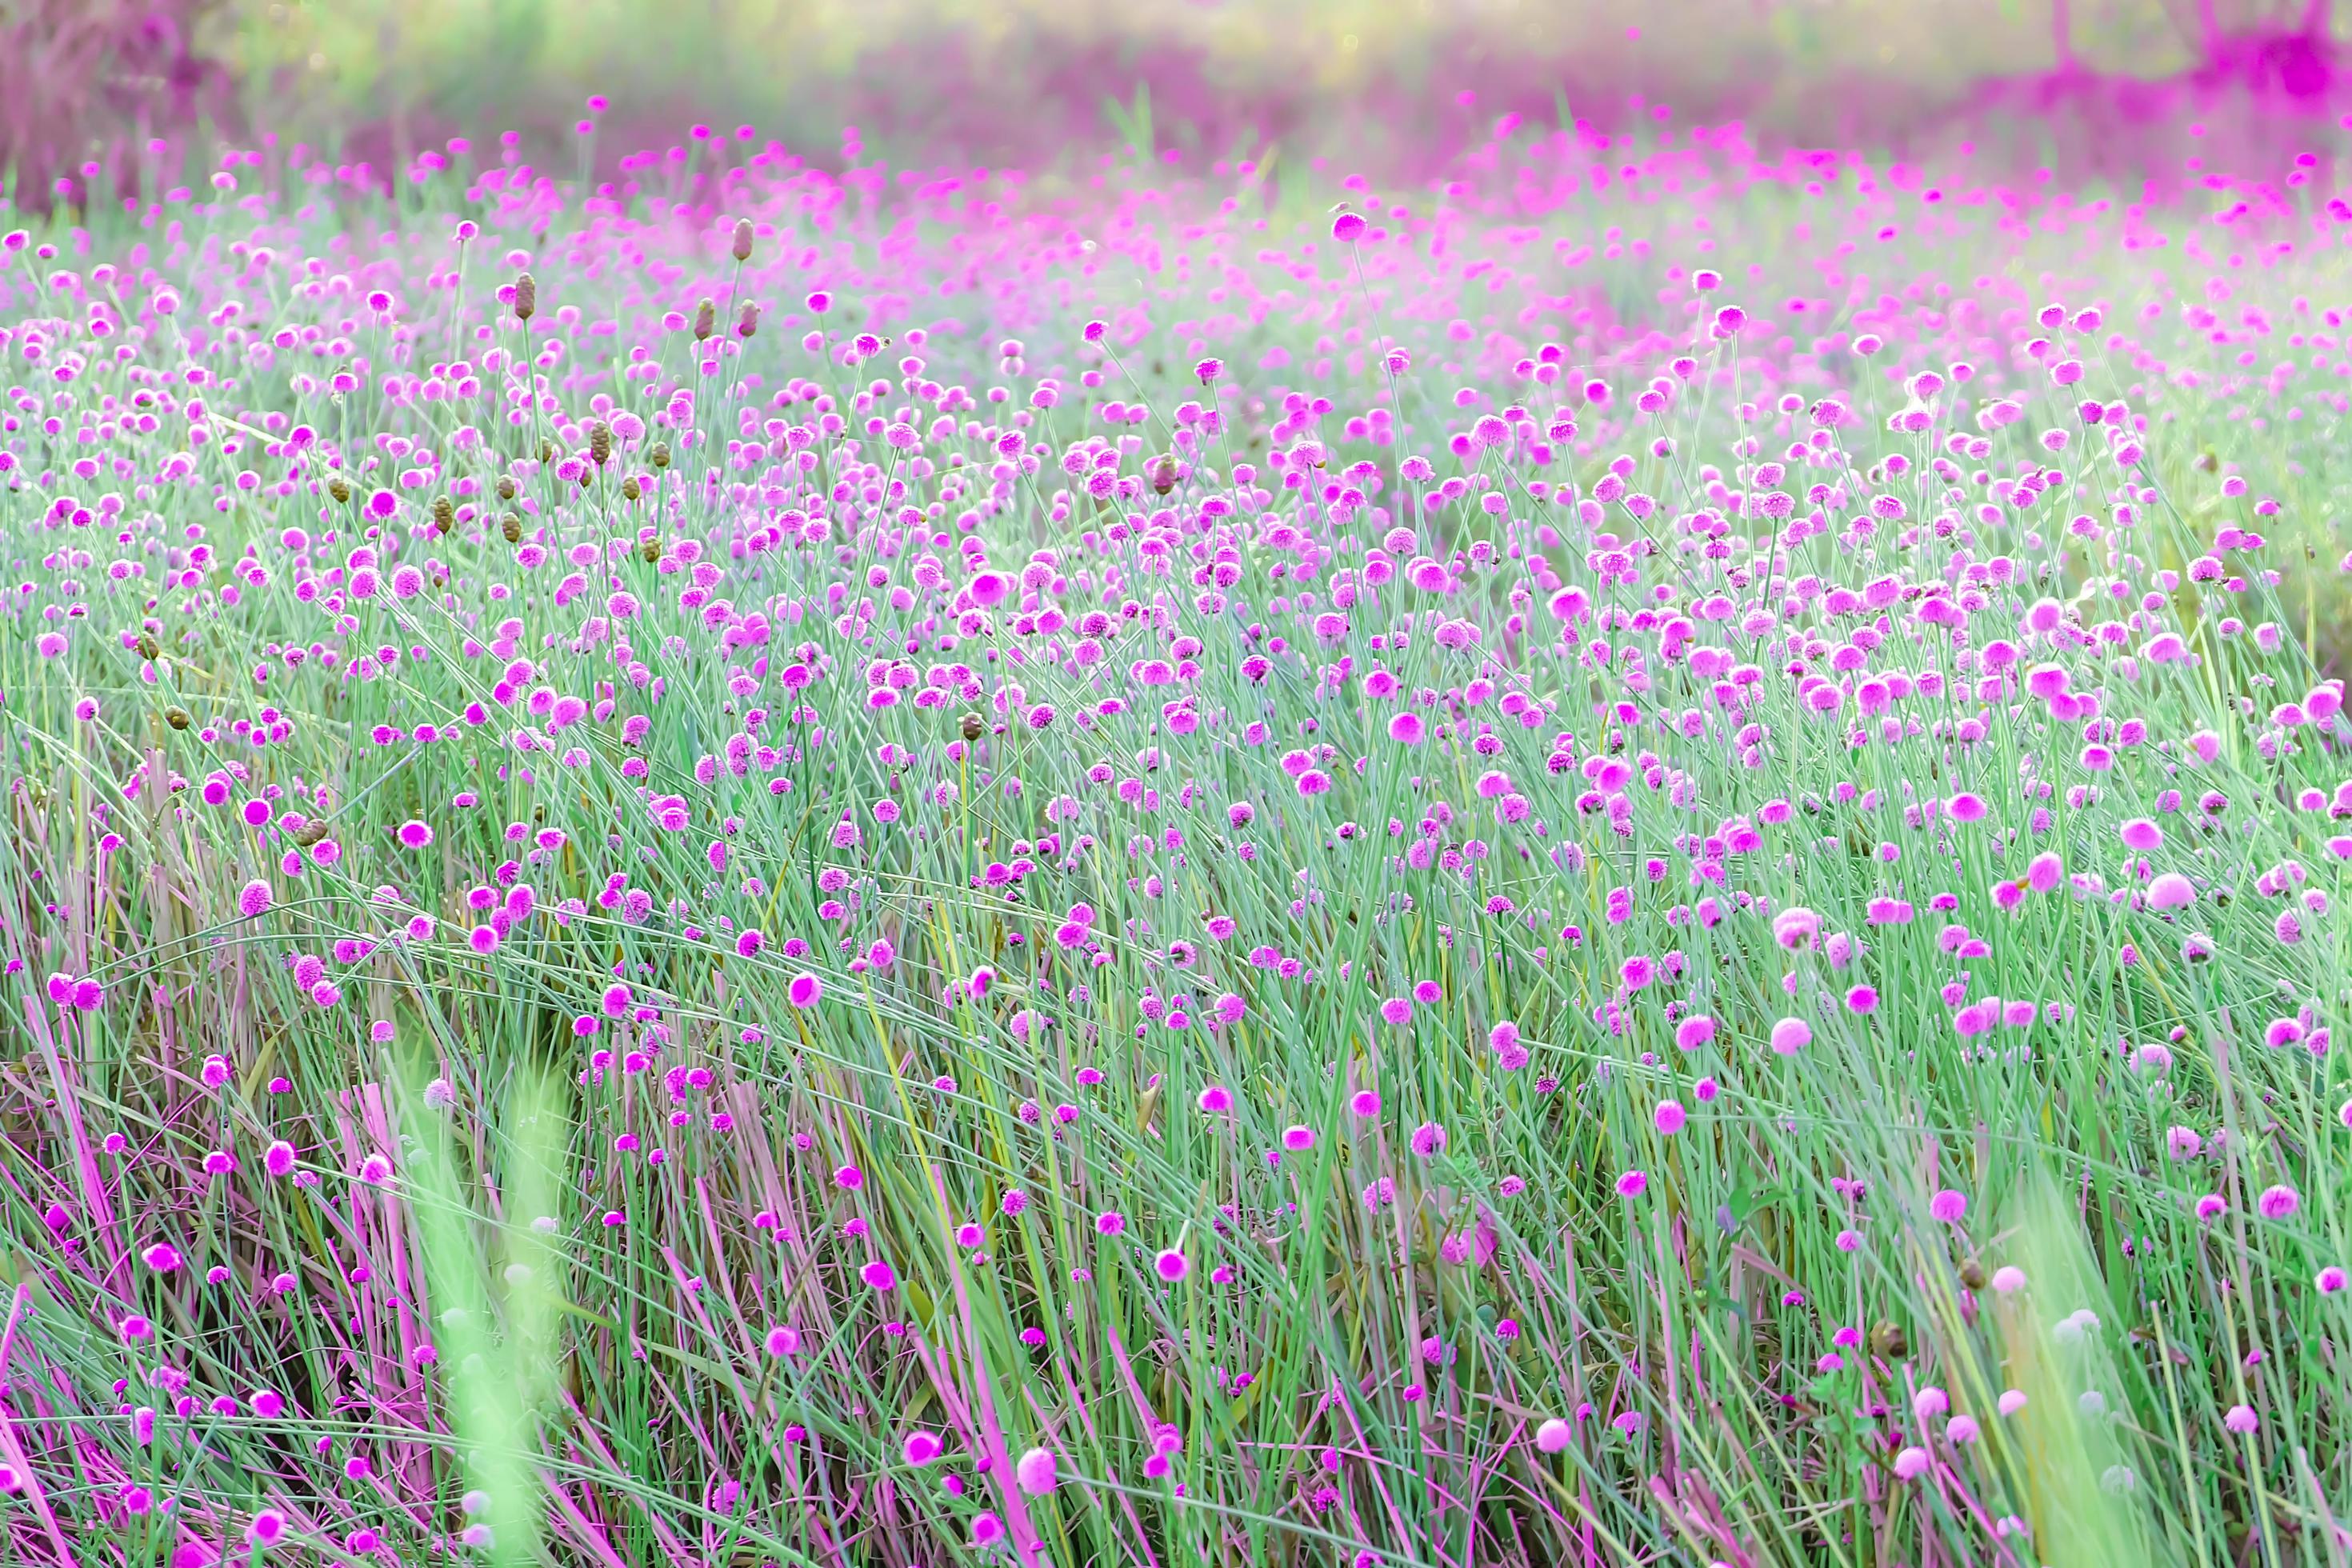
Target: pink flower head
column 1034, row 1471
column 1795, row 928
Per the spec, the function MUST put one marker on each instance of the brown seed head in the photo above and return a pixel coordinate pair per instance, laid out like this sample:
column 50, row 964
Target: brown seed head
column 148, row 646
column 445, row 515
column 338, row 487
column 511, row 528
column 526, row 298
column 630, row 488
column 600, row 442
column 660, row 455
column 176, row 716
column 972, row 726
column 505, row 487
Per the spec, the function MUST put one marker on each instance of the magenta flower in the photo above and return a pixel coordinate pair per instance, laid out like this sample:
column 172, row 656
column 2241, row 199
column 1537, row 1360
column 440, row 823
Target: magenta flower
column 1035, row 1472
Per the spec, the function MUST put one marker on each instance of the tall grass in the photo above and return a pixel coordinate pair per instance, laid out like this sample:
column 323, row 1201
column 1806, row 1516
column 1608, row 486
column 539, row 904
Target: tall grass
column 1406, row 887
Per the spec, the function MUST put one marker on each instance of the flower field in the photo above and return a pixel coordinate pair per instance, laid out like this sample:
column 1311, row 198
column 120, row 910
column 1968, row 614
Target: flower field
column 1626, row 858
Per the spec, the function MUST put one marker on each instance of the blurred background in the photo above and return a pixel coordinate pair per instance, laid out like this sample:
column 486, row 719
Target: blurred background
column 2099, row 84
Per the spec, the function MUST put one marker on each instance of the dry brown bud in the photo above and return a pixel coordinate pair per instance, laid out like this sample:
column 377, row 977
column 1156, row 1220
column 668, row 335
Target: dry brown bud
column 511, row 528
column 526, row 300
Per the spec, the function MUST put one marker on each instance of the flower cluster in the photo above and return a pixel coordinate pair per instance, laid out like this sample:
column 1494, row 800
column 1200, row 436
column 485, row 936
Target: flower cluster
column 794, row 866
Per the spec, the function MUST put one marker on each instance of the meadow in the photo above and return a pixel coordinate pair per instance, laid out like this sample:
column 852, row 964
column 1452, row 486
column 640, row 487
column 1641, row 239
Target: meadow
column 1625, row 857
